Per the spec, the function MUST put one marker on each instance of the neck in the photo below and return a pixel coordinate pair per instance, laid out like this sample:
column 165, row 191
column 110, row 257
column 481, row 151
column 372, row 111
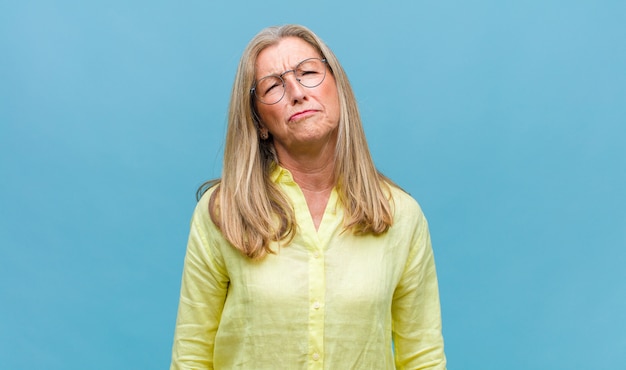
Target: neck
column 316, row 178
column 312, row 166
column 312, row 174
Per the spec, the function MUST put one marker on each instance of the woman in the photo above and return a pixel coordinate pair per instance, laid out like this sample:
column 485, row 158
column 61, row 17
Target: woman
column 303, row 256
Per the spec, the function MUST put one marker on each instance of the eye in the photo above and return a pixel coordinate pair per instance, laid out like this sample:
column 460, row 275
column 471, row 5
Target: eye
column 269, row 85
column 311, row 72
column 269, row 89
column 308, row 69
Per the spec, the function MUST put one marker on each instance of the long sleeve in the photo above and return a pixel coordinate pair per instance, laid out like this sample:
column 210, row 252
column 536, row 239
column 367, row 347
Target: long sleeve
column 203, row 292
column 416, row 313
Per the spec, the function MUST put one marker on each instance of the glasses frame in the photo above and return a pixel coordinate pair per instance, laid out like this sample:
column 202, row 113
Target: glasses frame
column 280, row 76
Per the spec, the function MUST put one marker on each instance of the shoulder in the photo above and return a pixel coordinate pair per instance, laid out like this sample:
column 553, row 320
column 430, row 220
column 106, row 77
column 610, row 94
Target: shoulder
column 404, row 205
column 201, row 218
column 205, row 237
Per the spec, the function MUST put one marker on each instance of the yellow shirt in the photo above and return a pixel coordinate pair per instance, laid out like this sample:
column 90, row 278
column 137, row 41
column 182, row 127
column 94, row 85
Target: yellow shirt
column 329, row 300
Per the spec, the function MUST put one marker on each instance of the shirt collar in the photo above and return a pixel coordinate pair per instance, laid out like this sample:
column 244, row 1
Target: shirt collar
column 280, row 174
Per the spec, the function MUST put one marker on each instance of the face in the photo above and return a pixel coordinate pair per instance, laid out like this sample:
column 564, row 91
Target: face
column 305, row 120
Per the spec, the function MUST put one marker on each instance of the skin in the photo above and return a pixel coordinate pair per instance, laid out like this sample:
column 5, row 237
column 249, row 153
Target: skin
column 303, row 124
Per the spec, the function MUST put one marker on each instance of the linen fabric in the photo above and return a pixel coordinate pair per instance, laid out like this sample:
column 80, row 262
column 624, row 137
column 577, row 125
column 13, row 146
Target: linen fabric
column 328, row 300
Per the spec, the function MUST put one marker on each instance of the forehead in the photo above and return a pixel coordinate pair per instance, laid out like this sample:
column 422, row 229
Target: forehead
column 283, row 55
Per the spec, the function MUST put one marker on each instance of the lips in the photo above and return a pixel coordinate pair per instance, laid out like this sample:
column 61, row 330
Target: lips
column 301, row 115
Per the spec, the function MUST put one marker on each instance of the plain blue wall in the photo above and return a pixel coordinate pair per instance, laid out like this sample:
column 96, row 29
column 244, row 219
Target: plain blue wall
column 506, row 120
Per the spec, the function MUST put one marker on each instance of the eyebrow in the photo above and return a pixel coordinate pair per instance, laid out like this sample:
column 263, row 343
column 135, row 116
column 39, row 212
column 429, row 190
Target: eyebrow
column 288, row 70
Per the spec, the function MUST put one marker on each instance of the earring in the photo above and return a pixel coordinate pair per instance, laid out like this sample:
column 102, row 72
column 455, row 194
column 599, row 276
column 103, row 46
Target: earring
column 263, row 134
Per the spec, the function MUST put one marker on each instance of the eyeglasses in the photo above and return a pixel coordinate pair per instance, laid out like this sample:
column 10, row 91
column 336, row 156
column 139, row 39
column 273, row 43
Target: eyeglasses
column 271, row 89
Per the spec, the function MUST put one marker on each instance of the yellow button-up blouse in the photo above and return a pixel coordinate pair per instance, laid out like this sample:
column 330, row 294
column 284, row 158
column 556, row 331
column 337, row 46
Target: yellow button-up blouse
column 329, row 300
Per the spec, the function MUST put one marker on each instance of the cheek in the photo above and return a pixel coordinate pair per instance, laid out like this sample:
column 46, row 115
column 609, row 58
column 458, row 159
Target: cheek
column 267, row 113
column 332, row 103
column 332, row 96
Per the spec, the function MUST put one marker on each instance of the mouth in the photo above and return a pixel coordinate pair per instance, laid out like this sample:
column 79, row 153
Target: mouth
column 301, row 115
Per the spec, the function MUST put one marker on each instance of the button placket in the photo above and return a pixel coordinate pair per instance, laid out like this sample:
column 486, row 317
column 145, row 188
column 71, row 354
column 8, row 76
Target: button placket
column 317, row 289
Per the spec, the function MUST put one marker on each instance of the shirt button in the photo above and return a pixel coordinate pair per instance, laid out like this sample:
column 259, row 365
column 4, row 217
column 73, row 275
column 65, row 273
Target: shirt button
column 316, row 356
column 317, row 305
column 316, row 254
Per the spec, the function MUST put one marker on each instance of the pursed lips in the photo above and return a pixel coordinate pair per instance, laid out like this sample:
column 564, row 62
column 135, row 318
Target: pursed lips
column 302, row 114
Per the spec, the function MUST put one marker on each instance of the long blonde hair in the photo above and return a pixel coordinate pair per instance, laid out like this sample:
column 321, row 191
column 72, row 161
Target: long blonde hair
column 247, row 206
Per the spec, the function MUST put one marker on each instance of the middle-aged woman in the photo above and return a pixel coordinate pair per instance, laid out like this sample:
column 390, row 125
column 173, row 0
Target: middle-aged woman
column 303, row 256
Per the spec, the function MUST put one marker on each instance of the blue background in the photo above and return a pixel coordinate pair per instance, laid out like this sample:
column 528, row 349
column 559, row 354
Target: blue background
column 506, row 120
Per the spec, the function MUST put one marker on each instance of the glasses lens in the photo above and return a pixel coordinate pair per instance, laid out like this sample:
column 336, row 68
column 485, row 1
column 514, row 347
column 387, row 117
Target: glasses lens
column 269, row 89
column 311, row 72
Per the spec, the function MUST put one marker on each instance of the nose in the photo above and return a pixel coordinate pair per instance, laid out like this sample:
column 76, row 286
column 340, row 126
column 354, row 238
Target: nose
column 293, row 87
